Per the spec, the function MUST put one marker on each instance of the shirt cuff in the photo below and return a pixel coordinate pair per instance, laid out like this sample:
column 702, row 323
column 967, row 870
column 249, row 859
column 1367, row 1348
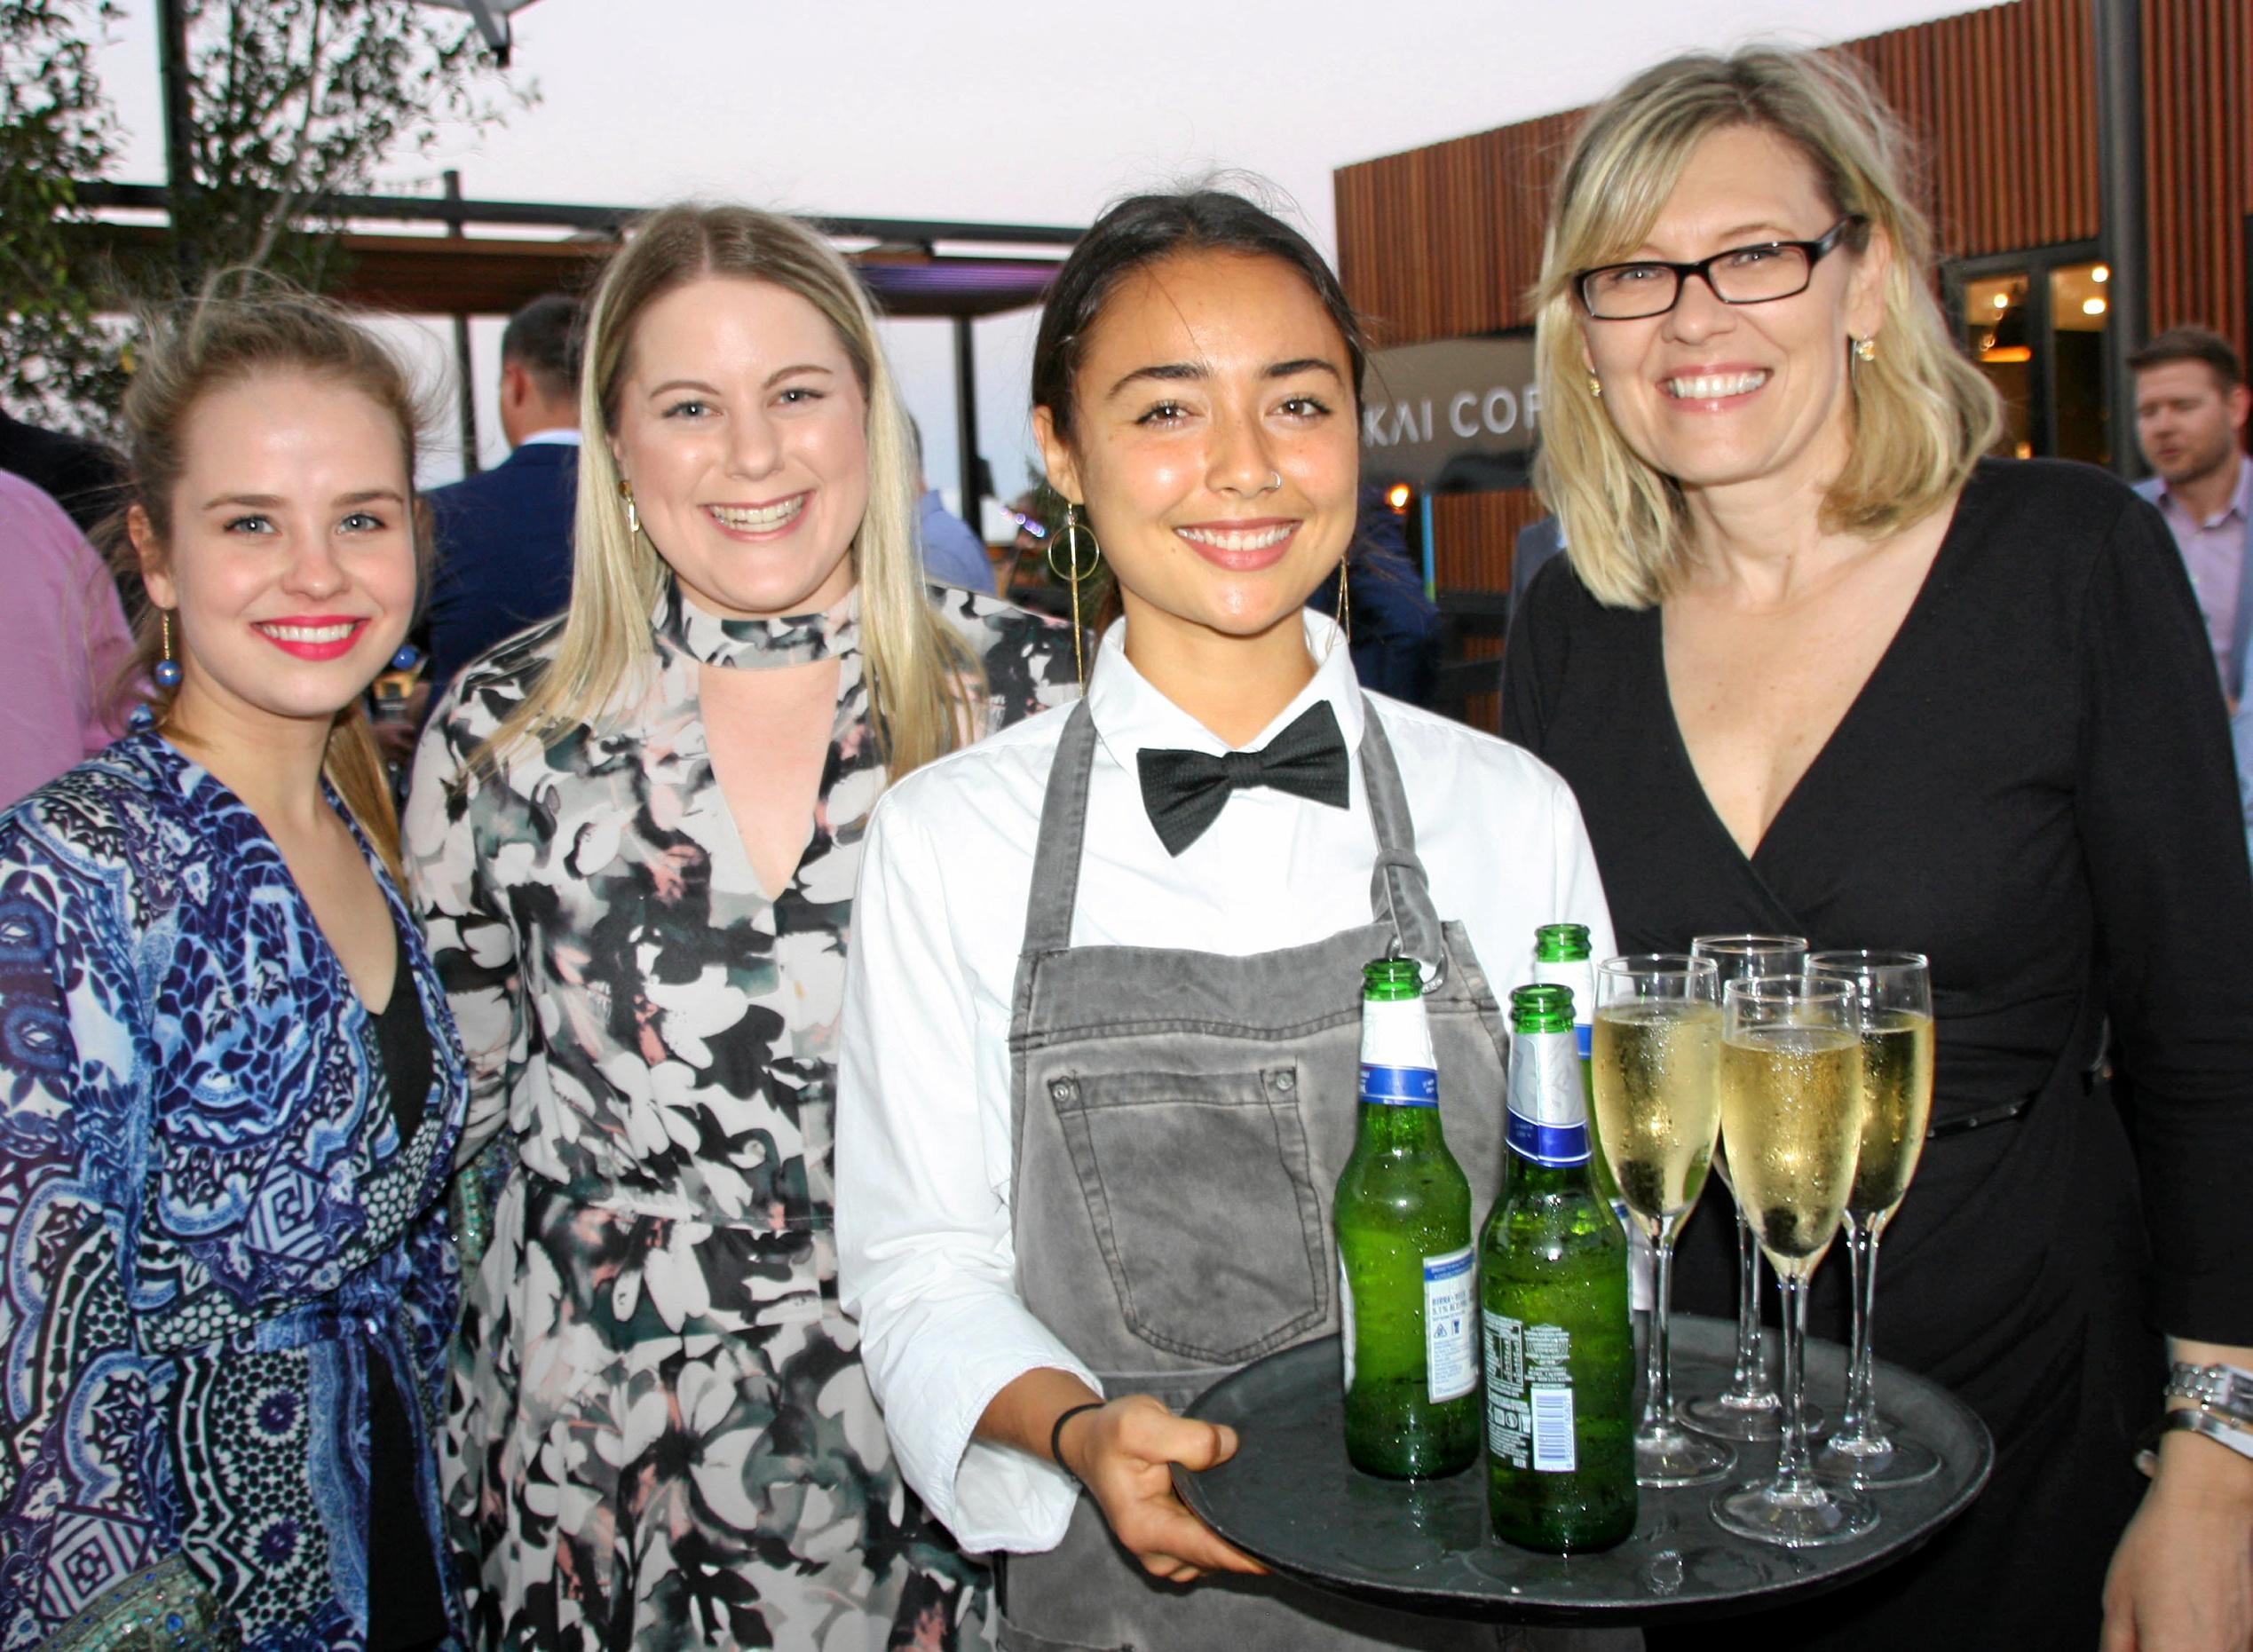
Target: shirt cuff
column 940, row 1383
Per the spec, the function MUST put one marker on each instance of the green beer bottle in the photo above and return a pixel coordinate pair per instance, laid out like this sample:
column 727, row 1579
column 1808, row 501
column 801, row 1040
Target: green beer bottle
column 1407, row 1271
column 1561, row 956
column 1553, row 1295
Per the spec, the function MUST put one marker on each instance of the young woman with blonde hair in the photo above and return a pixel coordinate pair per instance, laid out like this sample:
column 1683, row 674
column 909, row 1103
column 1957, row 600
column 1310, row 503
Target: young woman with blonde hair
column 1816, row 666
column 232, row 1087
column 635, row 833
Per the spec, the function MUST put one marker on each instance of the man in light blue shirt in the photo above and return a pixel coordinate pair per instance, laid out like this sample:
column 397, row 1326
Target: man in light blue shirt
column 952, row 554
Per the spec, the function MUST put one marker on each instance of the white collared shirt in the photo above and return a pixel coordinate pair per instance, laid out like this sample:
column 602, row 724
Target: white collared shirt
column 926, row 1262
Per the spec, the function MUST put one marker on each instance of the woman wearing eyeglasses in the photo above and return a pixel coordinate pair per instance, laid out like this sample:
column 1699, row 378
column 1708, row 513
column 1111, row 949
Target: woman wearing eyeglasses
column 1817, row 667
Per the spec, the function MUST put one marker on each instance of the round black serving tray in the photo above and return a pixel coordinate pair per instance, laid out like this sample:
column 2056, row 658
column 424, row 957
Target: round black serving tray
column 1290, row 1497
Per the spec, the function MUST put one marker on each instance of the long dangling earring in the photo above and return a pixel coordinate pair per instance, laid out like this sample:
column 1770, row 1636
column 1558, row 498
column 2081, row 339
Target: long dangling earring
column 1072, row 573
column 633, row 516
column 168, row 669
column 1345, row 601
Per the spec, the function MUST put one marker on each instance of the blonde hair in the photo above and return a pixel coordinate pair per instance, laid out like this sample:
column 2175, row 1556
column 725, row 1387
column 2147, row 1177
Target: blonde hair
column 245, row 324
column 923, row 681
column 1922, row 413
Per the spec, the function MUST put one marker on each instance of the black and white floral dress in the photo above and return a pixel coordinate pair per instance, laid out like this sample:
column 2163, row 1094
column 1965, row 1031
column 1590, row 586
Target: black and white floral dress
column 659, row 1433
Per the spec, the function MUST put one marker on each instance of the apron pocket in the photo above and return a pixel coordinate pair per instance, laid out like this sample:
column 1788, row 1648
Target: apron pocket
column 1207, row 1217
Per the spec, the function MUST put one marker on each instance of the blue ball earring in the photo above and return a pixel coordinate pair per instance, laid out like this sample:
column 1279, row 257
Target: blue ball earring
column 168, row 669
column 407, row 658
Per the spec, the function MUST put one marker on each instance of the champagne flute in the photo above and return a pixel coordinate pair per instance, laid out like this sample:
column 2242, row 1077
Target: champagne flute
column 1893, row 996
column 1749, row 1407
column 1657, row 1039
column 1791, row 1107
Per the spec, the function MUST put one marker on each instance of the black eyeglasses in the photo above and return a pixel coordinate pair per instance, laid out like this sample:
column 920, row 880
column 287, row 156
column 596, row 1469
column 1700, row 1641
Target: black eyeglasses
column 1775, row 269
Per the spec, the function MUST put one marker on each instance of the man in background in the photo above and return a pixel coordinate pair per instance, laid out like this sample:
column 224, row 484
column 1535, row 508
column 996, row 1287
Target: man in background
column 504, row 535
column 2191, row 407
column 953, row 555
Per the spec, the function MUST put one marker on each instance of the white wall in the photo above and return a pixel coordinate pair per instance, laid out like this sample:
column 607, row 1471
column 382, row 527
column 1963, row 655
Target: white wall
column 1022, row 111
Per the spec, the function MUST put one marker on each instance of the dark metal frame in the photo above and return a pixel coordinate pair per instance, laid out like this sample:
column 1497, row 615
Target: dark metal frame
column 451, row 210
column 2118, row 31
column 457, row 213
column 2037, row 263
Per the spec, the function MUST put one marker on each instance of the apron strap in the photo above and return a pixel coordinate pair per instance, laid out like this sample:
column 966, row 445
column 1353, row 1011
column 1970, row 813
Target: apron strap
column 1399, row 895
column 1063, row 831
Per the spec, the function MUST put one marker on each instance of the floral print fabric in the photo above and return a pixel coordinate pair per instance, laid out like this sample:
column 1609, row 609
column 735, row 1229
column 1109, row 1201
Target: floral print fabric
column 212, row 1227
column 659, row 1434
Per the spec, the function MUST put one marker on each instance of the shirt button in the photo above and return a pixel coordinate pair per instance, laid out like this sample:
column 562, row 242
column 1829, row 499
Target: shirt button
column 1286, row 1082
column 1063, row 1089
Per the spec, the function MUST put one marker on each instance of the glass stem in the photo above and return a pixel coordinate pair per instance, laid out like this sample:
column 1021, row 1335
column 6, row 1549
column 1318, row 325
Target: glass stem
column 1791, row 1476
column 1860, row 1421
column 1658, row 1396
column 1750, row 1377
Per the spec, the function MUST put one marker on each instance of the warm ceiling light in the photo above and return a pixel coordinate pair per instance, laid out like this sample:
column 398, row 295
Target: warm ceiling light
column 1397, row 496
column 2002, row 301
column 2092, row 306
column 2102, row 272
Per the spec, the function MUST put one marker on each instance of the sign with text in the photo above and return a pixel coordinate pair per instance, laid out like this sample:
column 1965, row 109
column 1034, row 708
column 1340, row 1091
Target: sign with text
column 1457, row 414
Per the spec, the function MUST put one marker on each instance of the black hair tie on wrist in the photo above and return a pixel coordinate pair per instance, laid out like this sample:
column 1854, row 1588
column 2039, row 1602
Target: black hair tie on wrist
column 1055, row 1436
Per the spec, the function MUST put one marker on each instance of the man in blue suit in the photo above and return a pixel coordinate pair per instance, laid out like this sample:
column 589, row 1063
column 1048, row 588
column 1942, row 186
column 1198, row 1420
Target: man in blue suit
column 504, row 536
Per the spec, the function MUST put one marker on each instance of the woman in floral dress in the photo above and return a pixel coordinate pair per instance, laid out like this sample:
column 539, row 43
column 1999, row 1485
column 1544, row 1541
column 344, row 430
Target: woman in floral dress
column 634, row 834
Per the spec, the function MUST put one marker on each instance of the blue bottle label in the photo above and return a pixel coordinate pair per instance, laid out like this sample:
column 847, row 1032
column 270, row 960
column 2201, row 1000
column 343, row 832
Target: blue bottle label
column 1399, row 1087
column 1548, row 1120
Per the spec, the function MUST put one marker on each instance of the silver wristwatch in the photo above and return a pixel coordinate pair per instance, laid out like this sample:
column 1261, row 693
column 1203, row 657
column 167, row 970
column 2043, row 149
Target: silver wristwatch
column 2225, row 1390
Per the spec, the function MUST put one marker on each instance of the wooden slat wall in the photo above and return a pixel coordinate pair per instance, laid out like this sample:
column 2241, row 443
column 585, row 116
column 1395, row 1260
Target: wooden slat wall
column 2003, row 105
column 2198, row 99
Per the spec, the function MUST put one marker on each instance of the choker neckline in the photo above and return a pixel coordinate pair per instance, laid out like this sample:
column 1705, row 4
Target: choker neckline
column 756, row 645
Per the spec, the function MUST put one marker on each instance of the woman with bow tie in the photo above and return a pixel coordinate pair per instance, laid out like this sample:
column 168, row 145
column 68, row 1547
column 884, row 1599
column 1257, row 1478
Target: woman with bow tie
column 1099, row 1055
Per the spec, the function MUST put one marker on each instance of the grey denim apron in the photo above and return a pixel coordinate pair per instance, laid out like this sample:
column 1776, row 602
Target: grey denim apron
column 1179, row 1120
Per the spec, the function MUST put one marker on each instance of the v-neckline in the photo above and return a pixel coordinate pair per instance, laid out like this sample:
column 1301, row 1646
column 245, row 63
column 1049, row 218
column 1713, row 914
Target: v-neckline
column 1678, row 744
column 737, row 842
column 401, row 968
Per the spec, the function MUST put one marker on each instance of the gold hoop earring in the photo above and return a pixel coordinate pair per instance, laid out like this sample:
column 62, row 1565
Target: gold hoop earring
column 1866, row 349
column 1068, row 534
column 633, row 516
column 168, row 669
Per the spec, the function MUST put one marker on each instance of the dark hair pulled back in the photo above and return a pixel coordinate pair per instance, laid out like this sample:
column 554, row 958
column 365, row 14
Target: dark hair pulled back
column 1139, row 231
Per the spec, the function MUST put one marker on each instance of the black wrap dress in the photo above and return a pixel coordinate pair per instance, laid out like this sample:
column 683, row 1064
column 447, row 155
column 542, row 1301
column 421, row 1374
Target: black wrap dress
column 2035, row 788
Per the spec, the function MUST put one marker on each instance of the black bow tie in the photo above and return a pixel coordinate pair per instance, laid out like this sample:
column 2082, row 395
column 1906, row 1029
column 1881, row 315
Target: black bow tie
column 1183, row 790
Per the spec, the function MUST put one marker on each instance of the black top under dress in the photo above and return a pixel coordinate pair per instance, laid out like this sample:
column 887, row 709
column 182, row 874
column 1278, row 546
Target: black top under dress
column 2035, row 788
column 405, row 1602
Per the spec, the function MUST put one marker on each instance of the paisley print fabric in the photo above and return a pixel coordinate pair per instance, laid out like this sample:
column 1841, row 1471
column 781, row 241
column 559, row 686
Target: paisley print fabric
column 659, row 1433
column 211, row 1225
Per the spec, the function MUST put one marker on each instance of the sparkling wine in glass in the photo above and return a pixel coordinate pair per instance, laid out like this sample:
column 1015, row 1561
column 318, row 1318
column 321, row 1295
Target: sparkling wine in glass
column 1657, row 1039
column 1893, row 998
column 1749, row 1407
column 1791, row 1112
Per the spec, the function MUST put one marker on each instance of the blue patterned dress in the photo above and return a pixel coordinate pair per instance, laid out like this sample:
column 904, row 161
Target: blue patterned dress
column 210, row 1223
